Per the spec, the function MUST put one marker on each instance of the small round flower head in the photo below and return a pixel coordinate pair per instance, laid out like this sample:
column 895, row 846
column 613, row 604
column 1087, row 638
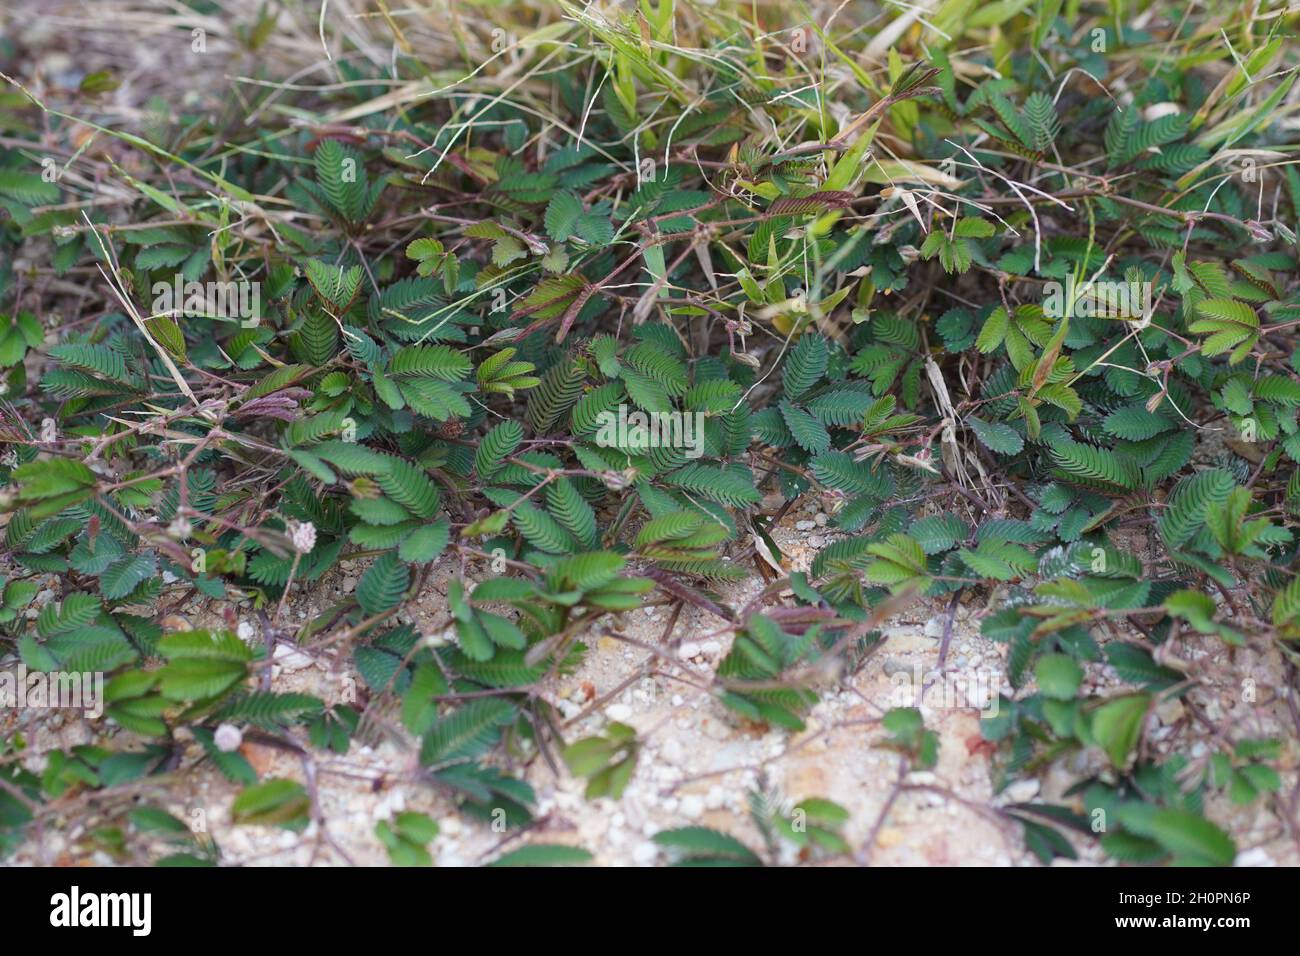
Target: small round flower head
column 228, row 738
column 180, row 529
column 303, row 536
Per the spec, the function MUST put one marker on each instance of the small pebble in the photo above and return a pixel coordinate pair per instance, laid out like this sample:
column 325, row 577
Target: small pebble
column 1254, row 857
column 290, row 659
column 643, row 854
column 1021, row 791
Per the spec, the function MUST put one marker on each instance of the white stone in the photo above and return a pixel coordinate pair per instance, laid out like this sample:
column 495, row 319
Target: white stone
column 692, row 806
column 672, row 750
column 290, row 659
column 688, row 650
column 1022, row 791
column 1254, row 857
column 619, row 712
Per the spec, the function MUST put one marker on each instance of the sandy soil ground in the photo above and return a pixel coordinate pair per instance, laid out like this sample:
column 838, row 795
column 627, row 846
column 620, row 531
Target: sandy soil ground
column 699, row 763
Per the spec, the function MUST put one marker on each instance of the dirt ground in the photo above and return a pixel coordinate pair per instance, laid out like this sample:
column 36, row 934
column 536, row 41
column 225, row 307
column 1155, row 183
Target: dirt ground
column 699, row 763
